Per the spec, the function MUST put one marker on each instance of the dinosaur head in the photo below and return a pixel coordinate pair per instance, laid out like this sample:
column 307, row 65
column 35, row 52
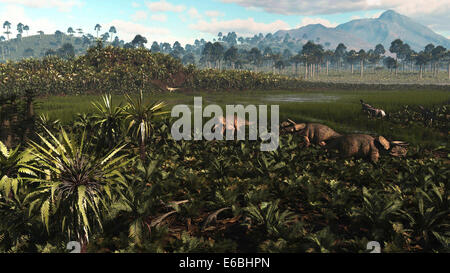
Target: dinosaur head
column 383, row 142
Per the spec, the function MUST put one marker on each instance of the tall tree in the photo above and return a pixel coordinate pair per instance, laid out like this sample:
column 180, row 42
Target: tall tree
column 379, row 50
column 255, row 57
column 112, row 31
column 390, row 63
column 105, row 37
column 328, row 56
column 447, row 59
column 41, row 34
column 155, row 47
column 20, row 30
column 139, row 41
column 26, row 28
column 340, row 53
column 395, row 48
column 97, row 28
column 421, row 60
column 351, row 57
column 437, row 54
column 7, row 25
column 59, row 35
column 70, row 31
column 207, row 54
column 362, row 55
column 217, row 54
column 231, row 56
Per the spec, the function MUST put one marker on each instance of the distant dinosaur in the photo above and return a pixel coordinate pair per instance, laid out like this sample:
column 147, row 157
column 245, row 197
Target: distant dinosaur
column 170, row 89
column 372, row 111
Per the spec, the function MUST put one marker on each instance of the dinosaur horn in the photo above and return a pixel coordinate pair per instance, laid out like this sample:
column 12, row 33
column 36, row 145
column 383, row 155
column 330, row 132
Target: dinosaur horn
column 291, row 121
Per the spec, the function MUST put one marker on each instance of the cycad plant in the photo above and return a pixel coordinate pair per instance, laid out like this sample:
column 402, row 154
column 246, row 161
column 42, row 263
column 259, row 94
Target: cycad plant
column 139, row 116
column 13, row 164
column 108, row 120
column 75, row 186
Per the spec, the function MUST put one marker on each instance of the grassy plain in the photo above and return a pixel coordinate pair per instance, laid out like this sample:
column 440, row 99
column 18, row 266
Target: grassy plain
column 340, row 109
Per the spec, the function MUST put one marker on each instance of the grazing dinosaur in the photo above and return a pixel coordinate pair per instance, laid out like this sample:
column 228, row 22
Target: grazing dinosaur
column 372, row 111
column 359, row 145
column 237, row 125
column 170, row 89
column 312, row 132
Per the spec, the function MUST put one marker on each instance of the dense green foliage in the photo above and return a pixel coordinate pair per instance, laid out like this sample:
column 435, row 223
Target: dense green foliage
column 115, row 180
column 219, row 196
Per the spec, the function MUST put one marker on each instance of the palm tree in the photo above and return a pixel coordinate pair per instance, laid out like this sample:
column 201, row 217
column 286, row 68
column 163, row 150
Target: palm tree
column 7, row 25
column 139, row 116
column 70, row 31
column 20, row 29
column 112, row 31
column 77, row 185
column 26, row 28
column 98, row 27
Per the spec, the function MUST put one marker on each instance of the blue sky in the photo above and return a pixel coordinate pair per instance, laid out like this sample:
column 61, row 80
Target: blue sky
column 185, row 21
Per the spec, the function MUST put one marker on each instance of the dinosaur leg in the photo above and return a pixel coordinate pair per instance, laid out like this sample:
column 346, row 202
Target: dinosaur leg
column 307, row 142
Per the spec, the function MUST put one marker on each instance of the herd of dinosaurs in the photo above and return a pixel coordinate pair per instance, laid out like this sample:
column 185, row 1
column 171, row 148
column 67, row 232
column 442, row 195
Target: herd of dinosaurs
column 351, row 145
column 357, row 145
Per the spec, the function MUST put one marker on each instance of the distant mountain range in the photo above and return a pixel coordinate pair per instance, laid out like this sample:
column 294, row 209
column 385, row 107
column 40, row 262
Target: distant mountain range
column 367, row 33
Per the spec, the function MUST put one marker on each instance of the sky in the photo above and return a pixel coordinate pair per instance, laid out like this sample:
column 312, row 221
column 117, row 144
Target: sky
column 185, row 21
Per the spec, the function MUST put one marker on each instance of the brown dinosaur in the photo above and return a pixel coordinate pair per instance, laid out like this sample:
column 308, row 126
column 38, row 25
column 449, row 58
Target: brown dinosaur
column 312, row 132
column 359, row 145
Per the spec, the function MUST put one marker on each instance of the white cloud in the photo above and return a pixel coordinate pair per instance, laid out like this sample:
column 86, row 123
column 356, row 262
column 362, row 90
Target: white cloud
column 214, row 13
column 194, row 14
column 128, row 30
column 61, row 5
column 164, row 6
column 159, row 17
column 244, row 27
column 135, row 5
column 312, row 7
column 311, row 21
column 436, row 12
column 139, row 15
column 15, row 14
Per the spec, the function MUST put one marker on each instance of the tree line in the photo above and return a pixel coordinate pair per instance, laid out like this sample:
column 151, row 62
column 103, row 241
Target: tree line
column 261, row 53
